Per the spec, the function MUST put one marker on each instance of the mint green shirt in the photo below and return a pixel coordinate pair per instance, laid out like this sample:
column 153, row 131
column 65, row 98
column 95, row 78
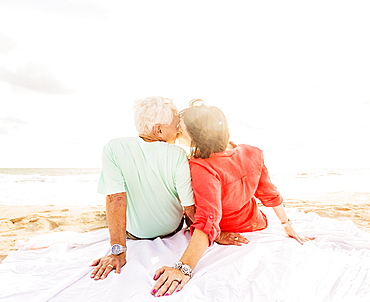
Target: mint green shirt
column 156, row 179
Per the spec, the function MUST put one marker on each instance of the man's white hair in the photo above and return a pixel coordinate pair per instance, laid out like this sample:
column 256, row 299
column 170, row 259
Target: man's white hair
column 153, row 110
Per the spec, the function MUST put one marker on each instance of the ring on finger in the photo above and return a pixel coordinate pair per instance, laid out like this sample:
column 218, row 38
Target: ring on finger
column 110, row 265
column 236, row 238
column 177, row 280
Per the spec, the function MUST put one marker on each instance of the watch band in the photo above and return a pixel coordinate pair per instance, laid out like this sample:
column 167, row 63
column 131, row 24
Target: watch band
column 186, row 270
column 177, row 265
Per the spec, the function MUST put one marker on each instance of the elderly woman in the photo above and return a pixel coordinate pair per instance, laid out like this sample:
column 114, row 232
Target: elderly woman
column 226, row 179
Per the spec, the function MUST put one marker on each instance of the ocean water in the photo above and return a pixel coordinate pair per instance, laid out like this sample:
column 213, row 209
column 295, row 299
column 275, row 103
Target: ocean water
column 50, row 187
column 78, row 186
column 329, row 186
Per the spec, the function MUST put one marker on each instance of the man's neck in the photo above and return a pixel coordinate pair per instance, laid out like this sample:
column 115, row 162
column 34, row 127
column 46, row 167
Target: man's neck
column 150, row 138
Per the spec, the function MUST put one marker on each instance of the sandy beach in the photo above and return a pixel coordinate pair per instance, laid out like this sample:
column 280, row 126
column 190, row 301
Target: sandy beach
column 24, row 222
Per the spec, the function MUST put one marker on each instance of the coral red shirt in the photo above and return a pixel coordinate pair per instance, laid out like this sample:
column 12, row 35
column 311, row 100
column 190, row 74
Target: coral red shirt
column 226, row 186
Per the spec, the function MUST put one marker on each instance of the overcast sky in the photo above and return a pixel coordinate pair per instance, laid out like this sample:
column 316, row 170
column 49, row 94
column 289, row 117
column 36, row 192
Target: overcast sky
column 293, row 77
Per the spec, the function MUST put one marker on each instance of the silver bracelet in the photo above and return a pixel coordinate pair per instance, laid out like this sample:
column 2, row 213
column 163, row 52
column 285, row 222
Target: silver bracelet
column 184, row 268
column 177, row 265
column 287, row 224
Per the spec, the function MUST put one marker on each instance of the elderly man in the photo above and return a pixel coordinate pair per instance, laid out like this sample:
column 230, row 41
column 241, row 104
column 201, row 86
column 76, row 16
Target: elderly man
column 147, row 182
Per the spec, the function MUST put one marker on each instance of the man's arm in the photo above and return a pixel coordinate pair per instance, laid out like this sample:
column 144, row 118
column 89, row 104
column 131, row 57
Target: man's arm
column 116, row 219
column 190, row 212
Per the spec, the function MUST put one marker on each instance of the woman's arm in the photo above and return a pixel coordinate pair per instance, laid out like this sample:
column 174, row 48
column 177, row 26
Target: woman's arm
column 170, row 279
column 205, row 229
column 281, row 214
column 268, row 194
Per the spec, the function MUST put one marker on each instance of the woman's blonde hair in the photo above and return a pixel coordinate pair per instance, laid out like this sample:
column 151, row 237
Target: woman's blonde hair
column 207, row 127
column 153, row 110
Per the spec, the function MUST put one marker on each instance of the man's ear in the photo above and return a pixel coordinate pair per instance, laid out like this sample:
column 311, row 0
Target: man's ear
column 157, row 130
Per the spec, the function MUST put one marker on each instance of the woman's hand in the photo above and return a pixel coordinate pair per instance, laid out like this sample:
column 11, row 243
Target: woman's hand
column 169, row 280
column 107, row 264
column 230, row 238
column 281, row 214
column 292, row 233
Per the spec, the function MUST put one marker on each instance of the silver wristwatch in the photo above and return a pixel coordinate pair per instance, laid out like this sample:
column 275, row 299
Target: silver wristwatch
column 177, row 265
column 117, row 249
column 184, row 268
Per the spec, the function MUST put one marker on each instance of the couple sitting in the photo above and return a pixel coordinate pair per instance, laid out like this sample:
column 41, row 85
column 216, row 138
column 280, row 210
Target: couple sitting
column 149, row 187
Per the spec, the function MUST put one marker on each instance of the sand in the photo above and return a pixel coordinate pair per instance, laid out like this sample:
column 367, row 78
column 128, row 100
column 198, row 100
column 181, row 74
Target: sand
column 24, row 222
column 358, row 213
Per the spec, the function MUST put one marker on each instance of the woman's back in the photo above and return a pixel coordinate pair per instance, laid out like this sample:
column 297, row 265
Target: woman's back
column 226, row 184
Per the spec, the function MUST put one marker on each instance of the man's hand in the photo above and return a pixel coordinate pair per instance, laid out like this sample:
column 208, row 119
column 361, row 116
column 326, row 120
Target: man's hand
column 190, row 212
column 230, row 238
column 116, row 219
column 106, row 264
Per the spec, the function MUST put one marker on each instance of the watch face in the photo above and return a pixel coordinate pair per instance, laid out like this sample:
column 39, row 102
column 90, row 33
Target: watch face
column 116, row 249
column 186, row 270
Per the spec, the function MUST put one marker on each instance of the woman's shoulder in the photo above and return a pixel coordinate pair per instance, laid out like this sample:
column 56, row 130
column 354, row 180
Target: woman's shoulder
column 201, row 162
column 202, row 167
column 248, row 149
column 250, row 152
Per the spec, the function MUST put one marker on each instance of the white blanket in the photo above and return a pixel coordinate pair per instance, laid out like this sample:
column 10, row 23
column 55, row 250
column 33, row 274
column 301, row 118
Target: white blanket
column 272, row 267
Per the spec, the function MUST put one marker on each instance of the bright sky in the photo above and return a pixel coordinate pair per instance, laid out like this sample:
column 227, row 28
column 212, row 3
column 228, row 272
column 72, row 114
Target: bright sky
column 293, row 77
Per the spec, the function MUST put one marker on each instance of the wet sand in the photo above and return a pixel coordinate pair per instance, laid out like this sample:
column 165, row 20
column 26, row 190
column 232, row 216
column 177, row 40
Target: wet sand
column 24, row 222
column 358, row 213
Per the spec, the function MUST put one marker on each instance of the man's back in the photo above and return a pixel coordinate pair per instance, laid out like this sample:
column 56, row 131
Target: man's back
column 154, row 176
